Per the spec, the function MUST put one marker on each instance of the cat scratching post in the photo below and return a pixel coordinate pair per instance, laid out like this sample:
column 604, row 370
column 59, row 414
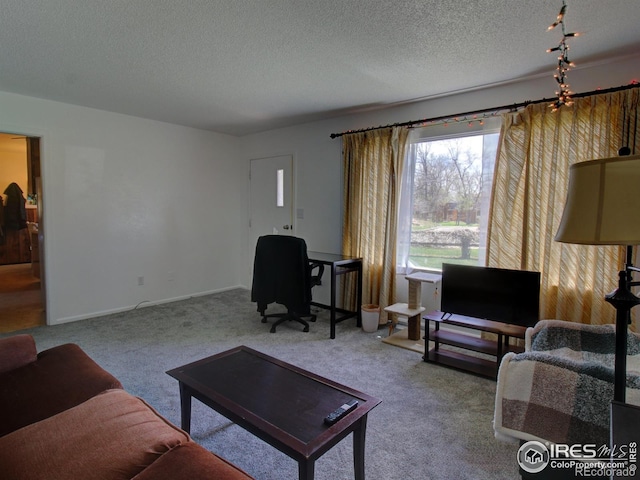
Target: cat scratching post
column 413, row 308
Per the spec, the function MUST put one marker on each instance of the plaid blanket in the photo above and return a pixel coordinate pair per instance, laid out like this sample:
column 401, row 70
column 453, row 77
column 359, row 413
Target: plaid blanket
column 560, row 388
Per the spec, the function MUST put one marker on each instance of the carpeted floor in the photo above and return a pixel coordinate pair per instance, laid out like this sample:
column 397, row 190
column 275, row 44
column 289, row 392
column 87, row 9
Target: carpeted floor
column 434, row 423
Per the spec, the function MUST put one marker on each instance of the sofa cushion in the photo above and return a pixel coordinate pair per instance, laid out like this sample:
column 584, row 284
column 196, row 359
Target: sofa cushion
column 113, row 435
column 189, row 461
column 61, row 377
column 17, row 351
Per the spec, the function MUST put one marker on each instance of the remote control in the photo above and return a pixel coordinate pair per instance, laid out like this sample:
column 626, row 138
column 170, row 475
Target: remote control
column 337, row 414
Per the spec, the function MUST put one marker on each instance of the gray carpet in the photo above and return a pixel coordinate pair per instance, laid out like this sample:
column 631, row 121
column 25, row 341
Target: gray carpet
column 433, row 423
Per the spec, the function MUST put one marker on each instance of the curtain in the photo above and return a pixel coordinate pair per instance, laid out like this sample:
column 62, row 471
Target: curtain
column 536, row 149
column 373, row 163
column 405, row 206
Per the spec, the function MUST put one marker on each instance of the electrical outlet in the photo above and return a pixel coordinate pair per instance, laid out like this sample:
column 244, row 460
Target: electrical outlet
column 140, row 280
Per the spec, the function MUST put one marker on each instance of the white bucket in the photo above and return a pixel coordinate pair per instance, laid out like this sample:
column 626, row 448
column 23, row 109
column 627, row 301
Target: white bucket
column 370, row 317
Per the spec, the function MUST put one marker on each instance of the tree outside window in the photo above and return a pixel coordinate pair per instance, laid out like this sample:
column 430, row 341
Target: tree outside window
column 450, row 188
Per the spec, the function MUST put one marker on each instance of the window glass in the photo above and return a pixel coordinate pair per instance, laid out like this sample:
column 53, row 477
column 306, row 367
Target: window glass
column 280, row 188
column 445, row 201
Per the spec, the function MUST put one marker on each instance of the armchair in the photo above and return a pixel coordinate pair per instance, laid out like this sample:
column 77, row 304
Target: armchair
column 282, row 274
column 560, row 388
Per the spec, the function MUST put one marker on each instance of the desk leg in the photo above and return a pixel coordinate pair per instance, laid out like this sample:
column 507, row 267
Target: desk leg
column 185, row 408
column 333, row 301
column 306, row 469
column 358, row 448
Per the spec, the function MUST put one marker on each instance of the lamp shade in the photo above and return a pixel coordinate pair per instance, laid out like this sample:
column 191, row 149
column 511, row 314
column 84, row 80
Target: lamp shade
column 603, row 203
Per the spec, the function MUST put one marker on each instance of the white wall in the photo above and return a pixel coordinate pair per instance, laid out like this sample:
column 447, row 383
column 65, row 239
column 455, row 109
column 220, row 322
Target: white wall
column 125, row 198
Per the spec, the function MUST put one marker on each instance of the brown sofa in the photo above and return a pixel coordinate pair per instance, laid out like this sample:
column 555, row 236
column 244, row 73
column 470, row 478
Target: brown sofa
column 64, row 417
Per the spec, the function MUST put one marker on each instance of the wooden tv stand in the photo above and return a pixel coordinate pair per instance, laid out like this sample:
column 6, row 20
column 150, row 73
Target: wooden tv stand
column 475, row 364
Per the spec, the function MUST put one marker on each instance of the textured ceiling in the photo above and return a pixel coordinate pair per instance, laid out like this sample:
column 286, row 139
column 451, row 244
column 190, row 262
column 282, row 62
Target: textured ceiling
column 243, row 66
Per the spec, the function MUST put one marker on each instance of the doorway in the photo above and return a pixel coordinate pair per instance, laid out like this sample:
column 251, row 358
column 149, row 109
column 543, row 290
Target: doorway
column 22, row 291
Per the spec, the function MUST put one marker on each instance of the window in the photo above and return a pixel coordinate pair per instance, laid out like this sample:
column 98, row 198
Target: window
column 280, row 187
column 445, row 200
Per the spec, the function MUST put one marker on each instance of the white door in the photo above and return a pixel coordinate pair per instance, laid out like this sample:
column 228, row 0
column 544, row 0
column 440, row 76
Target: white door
column 271, row 197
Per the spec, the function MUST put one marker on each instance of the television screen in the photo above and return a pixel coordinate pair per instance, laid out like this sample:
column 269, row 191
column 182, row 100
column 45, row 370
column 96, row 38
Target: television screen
column 502, row 295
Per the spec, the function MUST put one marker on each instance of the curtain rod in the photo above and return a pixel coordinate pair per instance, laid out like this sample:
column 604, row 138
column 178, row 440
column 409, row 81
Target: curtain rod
column 512, row 107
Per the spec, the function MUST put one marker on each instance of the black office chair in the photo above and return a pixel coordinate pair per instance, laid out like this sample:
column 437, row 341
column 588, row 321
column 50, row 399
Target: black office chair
column 282, row 274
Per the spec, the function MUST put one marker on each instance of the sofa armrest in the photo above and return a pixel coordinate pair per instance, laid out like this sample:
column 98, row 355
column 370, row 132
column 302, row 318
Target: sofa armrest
column 61, row 377
column 190, row 461
column 553, row 335
column 111, row 436
column 17, row 351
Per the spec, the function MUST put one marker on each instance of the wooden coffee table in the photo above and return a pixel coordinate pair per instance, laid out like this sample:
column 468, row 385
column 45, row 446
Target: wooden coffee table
column 280, row 403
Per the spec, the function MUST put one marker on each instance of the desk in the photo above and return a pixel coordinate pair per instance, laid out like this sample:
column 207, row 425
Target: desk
column 340, row 265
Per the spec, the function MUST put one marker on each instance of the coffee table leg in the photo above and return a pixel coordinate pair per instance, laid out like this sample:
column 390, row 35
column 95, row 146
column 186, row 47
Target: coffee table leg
column 185, row 408
column 358, row 448
column 306, row 469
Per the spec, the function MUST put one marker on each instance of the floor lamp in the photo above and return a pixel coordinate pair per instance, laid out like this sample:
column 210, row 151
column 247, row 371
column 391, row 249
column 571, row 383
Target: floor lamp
column 603, row 208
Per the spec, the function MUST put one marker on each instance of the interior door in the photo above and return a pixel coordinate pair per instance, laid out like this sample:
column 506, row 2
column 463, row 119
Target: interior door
column 271, row 194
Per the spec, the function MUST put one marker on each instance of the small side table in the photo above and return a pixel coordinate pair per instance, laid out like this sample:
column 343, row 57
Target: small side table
column 624, row 433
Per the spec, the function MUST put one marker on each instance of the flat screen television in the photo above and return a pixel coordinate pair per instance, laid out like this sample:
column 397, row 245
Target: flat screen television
column 502, row 295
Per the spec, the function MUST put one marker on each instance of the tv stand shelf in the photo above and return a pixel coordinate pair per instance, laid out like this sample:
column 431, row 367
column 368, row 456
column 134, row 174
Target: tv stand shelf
column 481, row 366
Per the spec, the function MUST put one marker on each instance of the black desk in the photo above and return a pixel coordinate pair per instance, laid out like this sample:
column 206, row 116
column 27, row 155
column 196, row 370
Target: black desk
column 340, row 265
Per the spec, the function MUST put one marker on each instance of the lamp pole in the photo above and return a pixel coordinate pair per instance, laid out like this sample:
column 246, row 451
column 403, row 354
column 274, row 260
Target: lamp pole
column 623, row 300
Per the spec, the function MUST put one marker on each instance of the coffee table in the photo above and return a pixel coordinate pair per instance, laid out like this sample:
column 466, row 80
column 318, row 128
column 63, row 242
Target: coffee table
column 278, row 402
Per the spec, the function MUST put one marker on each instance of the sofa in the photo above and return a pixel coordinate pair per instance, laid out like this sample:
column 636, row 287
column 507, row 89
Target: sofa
column 65, row 417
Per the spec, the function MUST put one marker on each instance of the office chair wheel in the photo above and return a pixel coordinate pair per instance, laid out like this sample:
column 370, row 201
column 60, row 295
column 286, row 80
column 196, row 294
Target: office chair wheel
column 305, row 329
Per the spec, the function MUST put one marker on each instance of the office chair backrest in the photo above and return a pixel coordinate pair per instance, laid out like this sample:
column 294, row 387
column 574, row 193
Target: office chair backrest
column 281, row 273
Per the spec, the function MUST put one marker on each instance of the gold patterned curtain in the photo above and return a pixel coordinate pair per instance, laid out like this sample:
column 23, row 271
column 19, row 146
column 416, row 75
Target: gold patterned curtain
column 537, row 147
column 373, row 162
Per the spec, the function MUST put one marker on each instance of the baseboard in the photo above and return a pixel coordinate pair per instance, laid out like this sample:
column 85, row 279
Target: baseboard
column 142, row 304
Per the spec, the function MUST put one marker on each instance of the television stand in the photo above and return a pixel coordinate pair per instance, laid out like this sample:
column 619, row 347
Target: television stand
column 486, row 367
